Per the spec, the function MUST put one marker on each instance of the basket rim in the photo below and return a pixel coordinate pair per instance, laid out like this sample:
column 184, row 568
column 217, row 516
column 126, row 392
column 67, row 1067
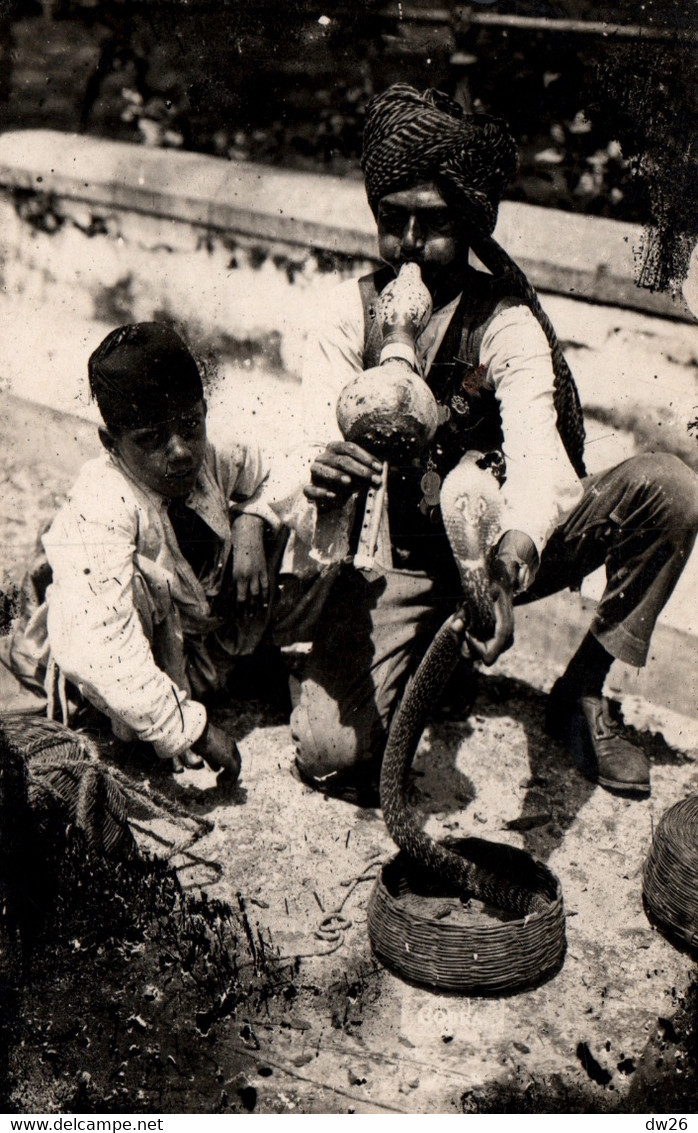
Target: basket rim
column 670, row 873
column 547, row 883
column 484, row 957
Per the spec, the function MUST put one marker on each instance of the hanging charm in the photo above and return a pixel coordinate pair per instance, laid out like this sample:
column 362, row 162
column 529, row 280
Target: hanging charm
column 431, row 487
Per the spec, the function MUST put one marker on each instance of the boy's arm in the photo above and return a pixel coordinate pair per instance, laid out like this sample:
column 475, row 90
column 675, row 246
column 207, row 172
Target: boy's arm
column 242, row 472
column 247, row 484
column 95, row 630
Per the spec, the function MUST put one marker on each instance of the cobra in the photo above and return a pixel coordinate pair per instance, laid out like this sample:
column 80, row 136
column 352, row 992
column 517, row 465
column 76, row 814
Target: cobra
column 470, row 505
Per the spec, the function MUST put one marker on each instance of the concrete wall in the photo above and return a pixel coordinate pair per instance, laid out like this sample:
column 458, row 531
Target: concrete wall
column 572, row 254
column 94, row 233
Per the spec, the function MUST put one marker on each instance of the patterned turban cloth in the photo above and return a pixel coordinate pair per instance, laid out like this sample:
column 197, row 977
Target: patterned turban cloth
column 410, row 138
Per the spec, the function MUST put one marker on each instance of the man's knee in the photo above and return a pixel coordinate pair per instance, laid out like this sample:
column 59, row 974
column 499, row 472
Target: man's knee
column 324, row 744
column 676, row 483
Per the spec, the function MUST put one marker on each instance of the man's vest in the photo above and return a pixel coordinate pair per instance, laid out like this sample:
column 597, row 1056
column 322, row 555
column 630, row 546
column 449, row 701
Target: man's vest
column 473, row 419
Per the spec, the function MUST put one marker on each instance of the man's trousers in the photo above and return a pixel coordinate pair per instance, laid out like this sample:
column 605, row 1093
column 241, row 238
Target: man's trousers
column 638, row 519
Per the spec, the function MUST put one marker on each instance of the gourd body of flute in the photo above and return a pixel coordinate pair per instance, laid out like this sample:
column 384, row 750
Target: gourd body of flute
column 389, row 409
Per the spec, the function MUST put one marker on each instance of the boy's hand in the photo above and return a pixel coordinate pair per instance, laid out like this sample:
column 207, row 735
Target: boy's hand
column 250, row 573
column 219, row 751
column 340, row 470
column 186, row 760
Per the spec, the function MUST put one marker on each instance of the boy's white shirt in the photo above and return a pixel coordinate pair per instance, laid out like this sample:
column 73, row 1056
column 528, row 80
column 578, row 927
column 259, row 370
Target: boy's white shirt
column 110, row 531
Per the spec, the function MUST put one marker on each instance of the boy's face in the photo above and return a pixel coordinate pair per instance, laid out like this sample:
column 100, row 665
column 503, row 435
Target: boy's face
column 167, row 456
column 416, row 225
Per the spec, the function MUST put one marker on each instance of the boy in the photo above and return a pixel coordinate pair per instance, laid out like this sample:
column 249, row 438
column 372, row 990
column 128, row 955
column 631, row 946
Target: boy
column 158, row 572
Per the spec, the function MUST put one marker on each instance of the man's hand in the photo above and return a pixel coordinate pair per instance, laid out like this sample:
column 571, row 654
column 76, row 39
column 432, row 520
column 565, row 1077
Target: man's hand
column 515, row 560
column 503, row 636
column 219, row 751
column 340, row 470
column 250, row 574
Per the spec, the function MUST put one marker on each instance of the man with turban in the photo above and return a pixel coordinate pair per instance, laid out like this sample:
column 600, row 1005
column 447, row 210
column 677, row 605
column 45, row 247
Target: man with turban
column 434, row 176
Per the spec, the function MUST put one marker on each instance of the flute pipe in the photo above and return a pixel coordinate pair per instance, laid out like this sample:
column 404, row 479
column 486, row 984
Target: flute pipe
column 379, row 504
column 368, row 541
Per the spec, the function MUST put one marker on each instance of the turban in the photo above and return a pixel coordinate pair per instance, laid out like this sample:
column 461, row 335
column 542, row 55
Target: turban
column 410, row 138
column 143, row 374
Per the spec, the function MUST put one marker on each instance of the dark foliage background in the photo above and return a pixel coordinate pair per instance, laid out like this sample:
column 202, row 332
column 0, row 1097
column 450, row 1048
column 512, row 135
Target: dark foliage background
column 606, row 124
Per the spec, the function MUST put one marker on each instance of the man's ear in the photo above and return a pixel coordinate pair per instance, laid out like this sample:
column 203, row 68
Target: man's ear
column 108, row 439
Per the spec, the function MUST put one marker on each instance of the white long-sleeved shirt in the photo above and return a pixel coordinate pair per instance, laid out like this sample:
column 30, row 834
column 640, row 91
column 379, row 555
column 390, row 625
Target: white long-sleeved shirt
column 541, row 485
column 117, row 567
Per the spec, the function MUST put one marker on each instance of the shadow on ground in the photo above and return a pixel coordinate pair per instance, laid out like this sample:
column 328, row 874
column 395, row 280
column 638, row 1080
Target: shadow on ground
column 555, row 789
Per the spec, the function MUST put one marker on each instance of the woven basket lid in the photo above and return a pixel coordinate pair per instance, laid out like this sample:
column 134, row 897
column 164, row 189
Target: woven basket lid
column 670, row 876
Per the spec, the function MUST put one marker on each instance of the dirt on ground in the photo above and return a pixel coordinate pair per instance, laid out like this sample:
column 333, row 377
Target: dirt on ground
column 325, row 1027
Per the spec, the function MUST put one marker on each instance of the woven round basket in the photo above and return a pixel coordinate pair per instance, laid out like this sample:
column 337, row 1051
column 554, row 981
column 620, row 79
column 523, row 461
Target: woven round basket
column 428, row 936
column 670, row 876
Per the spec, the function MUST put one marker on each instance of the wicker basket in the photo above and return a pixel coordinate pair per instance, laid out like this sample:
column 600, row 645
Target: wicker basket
column 426, row 935
column 670, row 877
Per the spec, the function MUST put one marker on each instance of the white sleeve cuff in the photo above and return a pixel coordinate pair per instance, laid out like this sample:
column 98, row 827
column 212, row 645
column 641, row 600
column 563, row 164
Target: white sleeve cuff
column 190, row 727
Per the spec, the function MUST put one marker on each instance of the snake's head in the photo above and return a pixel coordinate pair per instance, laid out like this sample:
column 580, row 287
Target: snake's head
column 471, row 506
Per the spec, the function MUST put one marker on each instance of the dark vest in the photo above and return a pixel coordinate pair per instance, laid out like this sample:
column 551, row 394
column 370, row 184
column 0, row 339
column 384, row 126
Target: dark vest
column 474, row 421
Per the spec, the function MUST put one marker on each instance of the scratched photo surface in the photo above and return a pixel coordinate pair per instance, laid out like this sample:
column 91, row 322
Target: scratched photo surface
column 197, row 943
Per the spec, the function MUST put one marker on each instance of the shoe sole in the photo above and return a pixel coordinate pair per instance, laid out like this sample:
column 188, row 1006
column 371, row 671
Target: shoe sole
column 624, row 788
column 344, row 788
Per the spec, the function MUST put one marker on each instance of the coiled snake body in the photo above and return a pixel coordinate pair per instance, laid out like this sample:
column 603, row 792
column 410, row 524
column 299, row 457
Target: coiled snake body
column 470, row 507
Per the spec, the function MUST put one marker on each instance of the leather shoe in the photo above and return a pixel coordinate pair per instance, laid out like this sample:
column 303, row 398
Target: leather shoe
column 596, row 742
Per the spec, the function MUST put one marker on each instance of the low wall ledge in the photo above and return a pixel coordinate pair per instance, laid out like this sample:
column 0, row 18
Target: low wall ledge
column 589, row 258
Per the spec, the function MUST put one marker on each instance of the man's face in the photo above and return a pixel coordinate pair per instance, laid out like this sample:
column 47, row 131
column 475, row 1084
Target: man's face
column 165, row 457
column 417, row 226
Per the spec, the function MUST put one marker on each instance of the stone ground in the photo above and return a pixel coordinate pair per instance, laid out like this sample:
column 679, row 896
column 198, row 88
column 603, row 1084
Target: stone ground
column 385, row 1046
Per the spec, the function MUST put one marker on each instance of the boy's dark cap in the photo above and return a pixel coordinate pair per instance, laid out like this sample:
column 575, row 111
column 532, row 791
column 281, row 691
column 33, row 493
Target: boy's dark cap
column 142, row 374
